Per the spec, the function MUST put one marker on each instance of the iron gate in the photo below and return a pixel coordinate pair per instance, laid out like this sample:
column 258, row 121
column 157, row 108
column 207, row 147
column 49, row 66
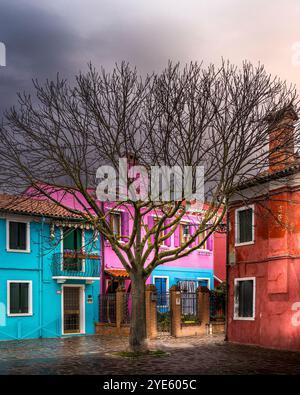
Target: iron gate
column 163, row 312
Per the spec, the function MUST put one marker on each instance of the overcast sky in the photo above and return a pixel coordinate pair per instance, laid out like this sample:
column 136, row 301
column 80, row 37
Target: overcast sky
column 46, row 37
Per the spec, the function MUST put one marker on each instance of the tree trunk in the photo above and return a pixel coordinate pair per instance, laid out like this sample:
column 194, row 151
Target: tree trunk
column 137, row 338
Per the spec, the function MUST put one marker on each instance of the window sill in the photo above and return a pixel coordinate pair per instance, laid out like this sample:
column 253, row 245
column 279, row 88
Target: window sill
column 20, row 315
column 22, row 251
column 108, row 244
column 247, row 243
column 244, row 318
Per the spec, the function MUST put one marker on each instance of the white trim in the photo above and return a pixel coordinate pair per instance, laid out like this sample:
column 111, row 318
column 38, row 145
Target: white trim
column 75, row 278
column 30, row 309
column 82, row 309
column 218, row 279
column 16, row 219
column 167, row 282
column 236, row 317
column 204, row 278
column 237, row 243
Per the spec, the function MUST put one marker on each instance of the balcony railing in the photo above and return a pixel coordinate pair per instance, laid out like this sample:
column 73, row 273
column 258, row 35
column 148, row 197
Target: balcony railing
column 75, row 264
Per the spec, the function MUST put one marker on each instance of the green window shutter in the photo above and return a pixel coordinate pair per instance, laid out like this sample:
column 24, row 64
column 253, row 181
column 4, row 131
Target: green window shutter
column 24, row 308
column 245, row 298
column 14, row 298
column 19, row 298
column 17, row 235
column 22, row 236
column 245, row 225
column 78, row 238
column 72, row 239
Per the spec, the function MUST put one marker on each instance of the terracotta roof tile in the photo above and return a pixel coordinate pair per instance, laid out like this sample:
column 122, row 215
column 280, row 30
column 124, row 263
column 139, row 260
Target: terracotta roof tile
column 117, row 272
column 26, row 205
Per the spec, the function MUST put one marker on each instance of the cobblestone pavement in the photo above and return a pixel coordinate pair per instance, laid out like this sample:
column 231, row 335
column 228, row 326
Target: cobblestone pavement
column 92, row 355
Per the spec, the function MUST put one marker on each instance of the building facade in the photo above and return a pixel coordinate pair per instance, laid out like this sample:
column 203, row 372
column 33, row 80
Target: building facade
column 187, row 272
column 46, row 288
column 264, row 259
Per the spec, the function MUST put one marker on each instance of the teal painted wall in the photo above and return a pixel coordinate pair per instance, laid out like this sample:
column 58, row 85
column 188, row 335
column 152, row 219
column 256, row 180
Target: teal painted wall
column 46, row 320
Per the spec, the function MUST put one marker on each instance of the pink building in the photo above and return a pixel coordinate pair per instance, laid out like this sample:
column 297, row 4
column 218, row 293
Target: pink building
column 188, row 272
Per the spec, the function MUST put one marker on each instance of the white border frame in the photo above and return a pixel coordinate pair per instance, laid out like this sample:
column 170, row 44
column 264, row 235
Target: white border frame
column 30, row 308
column 27, row 222
column 237, row 243
column 235, row 305
column 82, row 309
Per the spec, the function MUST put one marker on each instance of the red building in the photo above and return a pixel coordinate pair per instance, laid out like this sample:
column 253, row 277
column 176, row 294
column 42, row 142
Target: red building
column 264, row 252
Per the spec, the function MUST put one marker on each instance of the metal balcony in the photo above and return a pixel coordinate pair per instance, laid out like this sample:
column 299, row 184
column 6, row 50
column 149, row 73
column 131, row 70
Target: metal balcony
column 76, row 266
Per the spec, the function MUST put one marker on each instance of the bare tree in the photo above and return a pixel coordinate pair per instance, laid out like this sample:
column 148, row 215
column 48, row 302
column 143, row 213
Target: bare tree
column 216, row 117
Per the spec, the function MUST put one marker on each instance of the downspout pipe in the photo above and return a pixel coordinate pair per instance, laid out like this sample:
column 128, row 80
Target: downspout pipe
column 41, row 275
column 102, row 263
column 227, row 274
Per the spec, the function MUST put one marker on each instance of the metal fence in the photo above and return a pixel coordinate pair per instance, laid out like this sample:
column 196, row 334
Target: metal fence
column 163, row 312
column 75, row 265
column 189, row 308
column 107, row 308
column 217, row 305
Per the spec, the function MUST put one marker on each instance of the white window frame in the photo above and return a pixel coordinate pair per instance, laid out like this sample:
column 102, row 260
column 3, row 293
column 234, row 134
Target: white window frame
column 237, row 235
column 184, row 222
column 204, row 278
column 30, row 308
column 117, row 213
column 27, row 250
column 235, row 310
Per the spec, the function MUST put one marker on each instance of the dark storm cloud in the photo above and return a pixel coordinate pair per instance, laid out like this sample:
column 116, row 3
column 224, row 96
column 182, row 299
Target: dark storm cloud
column 45, row 37
column 38, row 45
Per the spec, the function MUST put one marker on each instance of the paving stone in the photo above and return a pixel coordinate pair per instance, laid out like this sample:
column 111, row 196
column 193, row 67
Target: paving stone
column 91, row 355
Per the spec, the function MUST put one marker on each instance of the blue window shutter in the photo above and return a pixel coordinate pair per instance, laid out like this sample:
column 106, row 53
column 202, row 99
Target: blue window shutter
column 161, row 285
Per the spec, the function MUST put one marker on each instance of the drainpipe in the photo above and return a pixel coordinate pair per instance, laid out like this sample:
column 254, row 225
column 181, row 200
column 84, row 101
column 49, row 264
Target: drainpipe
column 41, row 275
column 102, row 280
column 227, row 275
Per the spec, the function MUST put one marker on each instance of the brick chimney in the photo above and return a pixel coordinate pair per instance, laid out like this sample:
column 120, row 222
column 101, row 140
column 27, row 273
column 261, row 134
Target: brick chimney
column 281, row 139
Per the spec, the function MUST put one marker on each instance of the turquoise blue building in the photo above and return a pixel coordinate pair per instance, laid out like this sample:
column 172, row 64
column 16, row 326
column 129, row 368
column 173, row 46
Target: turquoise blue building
column 49, row 272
